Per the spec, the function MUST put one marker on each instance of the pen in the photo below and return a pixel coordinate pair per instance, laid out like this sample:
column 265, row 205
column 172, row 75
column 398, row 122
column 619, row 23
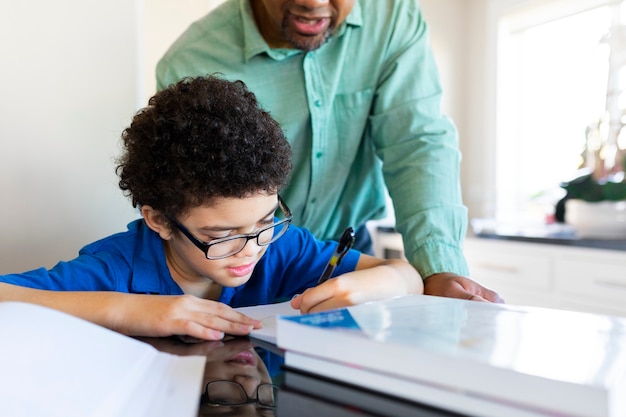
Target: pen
column 345, row 243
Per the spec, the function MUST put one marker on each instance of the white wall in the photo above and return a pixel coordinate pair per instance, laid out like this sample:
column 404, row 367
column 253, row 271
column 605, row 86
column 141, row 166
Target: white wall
column 68, row 86
column 163, row 22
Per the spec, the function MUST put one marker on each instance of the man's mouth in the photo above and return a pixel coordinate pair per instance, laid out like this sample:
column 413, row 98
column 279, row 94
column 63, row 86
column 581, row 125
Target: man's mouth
column 310, row 26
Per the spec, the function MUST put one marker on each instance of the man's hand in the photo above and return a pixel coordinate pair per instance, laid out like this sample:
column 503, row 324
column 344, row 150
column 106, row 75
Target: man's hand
column 457, row 286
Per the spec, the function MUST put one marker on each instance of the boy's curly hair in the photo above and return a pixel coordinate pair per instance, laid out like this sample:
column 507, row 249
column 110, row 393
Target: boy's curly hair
column 200, row 139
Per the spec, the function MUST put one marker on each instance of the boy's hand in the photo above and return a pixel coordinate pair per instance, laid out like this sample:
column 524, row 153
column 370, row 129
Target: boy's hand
column 140, row 314
column 378, row 283
column 159, row 315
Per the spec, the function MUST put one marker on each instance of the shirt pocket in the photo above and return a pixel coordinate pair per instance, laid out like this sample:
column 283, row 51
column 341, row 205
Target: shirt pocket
column 351, row 112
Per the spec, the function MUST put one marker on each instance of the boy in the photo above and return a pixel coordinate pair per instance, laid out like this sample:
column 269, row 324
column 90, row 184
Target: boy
column 204, row 164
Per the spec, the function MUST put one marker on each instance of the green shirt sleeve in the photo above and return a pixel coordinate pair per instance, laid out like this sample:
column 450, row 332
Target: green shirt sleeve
column 419, row 149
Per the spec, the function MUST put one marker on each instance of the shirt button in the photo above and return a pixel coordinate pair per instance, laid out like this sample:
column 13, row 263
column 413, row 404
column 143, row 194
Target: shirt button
column 313, row 200
column 318, row 103
column 319, row 155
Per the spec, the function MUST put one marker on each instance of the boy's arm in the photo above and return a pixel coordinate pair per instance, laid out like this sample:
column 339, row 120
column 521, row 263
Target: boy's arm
column 140, row 314
column 373, row 279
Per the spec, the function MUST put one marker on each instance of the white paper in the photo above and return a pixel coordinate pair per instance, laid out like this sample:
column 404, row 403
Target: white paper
column 267, row 315
column 55, row 364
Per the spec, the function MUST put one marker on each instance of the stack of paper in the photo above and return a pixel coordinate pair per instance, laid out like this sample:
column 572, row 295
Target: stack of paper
column 476, row 358
column 54, row 364
column 267, row 315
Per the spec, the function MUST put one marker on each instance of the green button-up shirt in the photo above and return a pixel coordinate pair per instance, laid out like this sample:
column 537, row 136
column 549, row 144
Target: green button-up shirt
column 361, row 112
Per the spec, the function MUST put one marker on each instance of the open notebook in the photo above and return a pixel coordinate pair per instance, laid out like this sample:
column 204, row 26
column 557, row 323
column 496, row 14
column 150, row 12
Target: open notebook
column 54, row 364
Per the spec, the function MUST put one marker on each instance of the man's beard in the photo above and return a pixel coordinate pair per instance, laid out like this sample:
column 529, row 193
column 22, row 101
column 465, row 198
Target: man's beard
column 306, row 43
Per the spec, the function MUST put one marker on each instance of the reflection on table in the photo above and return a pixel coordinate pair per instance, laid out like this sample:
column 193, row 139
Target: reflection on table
column 236, row 381
column 245, row 377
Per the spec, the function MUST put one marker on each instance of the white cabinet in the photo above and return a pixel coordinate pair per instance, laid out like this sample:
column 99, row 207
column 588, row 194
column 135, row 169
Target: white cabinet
column 539, row 274
column 519, row 272
column 547, row 275
column 593, row 280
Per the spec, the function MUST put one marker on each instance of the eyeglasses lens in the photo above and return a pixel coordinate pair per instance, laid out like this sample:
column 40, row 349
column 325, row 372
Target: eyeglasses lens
column 266, row 394
column 233, row 246
column 226, row 393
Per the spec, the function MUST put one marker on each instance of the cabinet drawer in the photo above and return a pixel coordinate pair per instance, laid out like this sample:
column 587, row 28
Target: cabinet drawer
column 603, row 280
column 595, row 308
column 508, row 266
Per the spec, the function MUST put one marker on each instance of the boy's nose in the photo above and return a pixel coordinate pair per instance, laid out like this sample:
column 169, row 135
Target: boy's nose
column 251, row 248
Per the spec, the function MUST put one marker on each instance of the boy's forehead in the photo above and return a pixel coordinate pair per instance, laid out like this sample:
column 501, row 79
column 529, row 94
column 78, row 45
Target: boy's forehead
column 228, row 212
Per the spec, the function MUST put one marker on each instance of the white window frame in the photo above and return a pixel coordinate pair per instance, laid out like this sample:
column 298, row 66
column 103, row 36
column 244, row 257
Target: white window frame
column 507, row 16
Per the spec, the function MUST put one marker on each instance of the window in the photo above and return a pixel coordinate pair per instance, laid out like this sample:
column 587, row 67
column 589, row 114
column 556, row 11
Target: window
column 553, row 68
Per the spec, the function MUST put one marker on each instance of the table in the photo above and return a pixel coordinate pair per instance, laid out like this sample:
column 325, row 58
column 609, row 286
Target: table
column 251, row 362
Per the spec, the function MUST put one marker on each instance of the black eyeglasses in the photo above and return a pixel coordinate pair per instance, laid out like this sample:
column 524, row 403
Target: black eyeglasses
column 232, row 245
column 233, row 394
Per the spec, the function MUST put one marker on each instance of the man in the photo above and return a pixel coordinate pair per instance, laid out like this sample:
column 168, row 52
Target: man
column 355, row 86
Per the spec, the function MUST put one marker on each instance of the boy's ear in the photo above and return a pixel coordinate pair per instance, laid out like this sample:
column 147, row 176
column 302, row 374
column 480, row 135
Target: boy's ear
column 157, row 222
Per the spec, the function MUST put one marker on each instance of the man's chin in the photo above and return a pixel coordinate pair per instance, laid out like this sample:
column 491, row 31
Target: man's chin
column 307, row 43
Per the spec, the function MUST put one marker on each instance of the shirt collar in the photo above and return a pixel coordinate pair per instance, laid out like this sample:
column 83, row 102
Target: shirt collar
column 254, row 44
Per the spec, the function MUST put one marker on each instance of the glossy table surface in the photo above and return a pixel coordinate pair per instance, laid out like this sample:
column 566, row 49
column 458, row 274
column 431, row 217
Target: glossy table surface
column 251, row 363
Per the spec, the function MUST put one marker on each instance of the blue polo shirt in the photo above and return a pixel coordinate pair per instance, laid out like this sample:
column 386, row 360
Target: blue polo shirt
column 134, row 262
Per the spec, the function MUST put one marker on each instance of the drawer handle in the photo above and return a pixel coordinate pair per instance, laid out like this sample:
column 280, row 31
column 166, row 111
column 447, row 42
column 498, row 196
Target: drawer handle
column 609, row 283
column 500, row 268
